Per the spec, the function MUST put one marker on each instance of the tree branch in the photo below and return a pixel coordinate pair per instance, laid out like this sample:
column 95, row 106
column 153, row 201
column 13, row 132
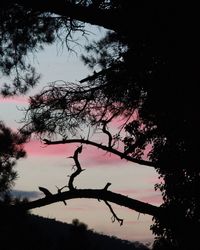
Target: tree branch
column 59, row 192
column 100, row 194
column 114, row 217
column 139, row 16
column 78, row 170
column 103, row 147
column 105, row 131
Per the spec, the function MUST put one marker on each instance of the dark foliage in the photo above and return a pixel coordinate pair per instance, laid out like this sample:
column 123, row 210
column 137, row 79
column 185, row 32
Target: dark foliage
column 11, row 149
column 148, row 75
column 138, row 76
column 24, row 31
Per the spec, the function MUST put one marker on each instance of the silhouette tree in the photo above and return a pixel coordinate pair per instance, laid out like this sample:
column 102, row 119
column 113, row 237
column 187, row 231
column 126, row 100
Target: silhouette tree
column 79, row 238
column 147, row 74
column 25, row 31
column 11, row 149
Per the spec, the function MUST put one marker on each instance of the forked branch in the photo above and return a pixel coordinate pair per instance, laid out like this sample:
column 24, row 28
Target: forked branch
column 99, row 194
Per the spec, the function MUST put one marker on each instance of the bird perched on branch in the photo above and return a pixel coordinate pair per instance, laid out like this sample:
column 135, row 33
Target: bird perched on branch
column 45, row 191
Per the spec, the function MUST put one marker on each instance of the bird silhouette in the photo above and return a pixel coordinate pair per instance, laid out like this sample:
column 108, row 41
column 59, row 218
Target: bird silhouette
column 45, row 191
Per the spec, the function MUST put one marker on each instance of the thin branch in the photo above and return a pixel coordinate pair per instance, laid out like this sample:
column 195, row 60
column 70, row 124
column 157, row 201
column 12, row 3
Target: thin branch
column 114, row 216
column 96, row 74
column 103, row 147
column 78, row 166
column 104, row 129
column 59, row 192
column 60, row 189
column 106, row 186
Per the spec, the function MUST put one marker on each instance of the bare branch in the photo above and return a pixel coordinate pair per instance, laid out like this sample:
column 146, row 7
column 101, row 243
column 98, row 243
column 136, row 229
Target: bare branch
column 59, row 192
column 96, row 74
column 106, row 186
column 78, row 166
column 99, row 194
column 103, row 147
column 45, row 191
column 114, row 217
column 60, row 189
column 104, row 129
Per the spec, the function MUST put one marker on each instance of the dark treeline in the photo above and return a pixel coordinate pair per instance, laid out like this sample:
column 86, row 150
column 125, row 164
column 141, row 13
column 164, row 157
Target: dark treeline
column 33, row 232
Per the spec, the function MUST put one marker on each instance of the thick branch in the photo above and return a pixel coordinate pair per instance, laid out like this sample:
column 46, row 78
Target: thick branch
column 100, row 194
column 75, row 11
column 103, row 147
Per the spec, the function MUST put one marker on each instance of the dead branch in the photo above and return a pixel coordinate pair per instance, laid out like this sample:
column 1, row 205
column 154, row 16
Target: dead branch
column 105, row 131
column 59, row 192
column 114, row 216
column 103, row 147
column 60, row 189
column 45, row 191
column 99, row 194
column 78, row 168
column 106, row 186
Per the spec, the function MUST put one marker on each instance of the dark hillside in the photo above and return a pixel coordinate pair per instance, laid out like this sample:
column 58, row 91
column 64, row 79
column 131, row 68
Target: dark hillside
column 38, row 233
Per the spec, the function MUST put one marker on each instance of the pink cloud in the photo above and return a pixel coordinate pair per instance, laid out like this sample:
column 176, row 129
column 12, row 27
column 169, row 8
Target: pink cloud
column 16, row 99
column 147, row 195
column 36, row 148
column 121, row 120
column 92, row 156
column 128, row 191
column 154, row 180
column 155, row 199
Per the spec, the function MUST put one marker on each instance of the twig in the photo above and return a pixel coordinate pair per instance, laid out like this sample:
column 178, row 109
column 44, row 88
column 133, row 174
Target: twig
column 106, row 186
column 59, row 192
column 114, row 216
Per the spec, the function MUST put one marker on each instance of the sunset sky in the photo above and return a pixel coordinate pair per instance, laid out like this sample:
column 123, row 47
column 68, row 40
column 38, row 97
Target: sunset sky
column 49, row 166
